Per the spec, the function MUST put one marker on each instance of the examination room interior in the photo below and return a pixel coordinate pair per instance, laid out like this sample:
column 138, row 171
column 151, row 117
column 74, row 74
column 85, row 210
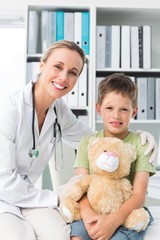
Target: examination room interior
column 13, row 76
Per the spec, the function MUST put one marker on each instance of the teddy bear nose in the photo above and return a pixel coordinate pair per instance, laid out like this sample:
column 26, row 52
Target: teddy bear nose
column 110, row 154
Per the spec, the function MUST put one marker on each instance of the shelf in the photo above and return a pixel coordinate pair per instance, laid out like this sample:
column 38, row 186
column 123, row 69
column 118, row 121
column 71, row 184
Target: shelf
column 110, row 13
column 129, row 72
column 154, row 186
column 139, row 70
column 138, row 122
column 154, row 121
column 34, row 57
column 59, row 6
column 80, row 108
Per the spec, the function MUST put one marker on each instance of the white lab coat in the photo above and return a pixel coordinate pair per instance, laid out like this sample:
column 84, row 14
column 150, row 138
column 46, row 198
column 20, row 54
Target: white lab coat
column 18, row 171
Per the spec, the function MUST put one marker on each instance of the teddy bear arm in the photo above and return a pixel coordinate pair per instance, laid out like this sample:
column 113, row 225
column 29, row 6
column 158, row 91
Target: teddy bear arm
column 69, row 206
column 137, row 220
column 70, row 210
column 79, row 188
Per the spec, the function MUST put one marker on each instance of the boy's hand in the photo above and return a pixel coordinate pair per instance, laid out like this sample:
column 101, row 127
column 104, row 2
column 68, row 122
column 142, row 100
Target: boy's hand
column 103, row 226
column 152, row 147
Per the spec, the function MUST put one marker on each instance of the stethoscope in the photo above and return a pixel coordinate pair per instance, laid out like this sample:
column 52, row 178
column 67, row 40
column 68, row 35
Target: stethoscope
column 34, row 152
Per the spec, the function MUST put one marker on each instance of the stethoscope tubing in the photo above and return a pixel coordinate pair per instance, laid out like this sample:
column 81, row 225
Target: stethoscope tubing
column 56, row 126
column 33, row 116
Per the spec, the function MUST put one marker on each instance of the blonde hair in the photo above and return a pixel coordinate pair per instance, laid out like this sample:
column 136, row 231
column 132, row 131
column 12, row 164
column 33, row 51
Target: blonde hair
column 119, row 83
column 64, row 44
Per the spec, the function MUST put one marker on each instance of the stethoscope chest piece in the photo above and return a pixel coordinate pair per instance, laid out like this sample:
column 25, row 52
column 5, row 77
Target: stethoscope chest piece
column 34, row 153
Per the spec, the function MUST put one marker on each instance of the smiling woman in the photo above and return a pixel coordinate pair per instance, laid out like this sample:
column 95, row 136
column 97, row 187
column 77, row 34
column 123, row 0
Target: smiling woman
column 33, row 121
column 12, row 49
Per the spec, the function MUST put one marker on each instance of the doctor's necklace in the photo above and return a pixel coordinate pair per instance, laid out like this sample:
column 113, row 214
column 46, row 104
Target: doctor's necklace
column 33, row 152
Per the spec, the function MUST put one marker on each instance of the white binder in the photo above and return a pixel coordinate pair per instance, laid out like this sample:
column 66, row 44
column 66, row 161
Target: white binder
column 134, row 47
column 115, row 46
column 69, row 26
column 33, row 29
column 51, row 27
column 78, row 28
column 125, row 46
column 158, row 98
column 142, row 98
column 151, row 98
column 101, row 47
column 73, row 96
column 146, row 47
column 44, row 30
column 82, row 87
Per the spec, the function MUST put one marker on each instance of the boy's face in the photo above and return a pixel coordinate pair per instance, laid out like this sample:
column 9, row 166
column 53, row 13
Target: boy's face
column 116, row 111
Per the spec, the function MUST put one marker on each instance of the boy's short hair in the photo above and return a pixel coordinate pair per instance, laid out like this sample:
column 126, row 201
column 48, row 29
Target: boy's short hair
column 119, row 83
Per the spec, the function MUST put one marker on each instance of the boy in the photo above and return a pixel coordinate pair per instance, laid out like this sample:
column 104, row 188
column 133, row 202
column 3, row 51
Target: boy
column 117, row 104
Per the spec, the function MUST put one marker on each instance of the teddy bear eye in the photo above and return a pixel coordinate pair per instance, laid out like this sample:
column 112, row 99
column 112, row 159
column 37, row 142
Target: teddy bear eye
column 105, row 150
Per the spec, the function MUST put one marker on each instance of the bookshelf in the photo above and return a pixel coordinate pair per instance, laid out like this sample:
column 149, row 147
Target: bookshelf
column 142, row 14
column 33, row 55
column 115, row 12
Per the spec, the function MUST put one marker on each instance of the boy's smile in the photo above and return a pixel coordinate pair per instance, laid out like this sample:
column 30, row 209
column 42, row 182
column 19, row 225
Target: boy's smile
column 116, row 111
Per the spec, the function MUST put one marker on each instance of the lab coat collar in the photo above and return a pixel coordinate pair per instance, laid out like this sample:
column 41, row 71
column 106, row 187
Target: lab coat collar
column 28, row 93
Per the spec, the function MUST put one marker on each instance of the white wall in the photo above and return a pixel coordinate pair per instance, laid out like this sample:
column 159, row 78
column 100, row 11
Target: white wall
column 18, row 7
column 13, row 8
column 12, row 61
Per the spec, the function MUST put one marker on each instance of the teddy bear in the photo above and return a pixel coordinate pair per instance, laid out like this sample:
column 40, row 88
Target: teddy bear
column 107, row 188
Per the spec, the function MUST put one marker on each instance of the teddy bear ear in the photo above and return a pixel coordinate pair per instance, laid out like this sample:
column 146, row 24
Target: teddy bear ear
column 132, row 150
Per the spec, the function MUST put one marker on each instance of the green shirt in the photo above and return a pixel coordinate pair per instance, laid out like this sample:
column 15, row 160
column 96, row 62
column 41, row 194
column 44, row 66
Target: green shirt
column 140, row 164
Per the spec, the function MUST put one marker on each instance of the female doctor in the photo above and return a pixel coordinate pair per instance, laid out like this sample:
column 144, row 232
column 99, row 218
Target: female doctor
column 31, row 121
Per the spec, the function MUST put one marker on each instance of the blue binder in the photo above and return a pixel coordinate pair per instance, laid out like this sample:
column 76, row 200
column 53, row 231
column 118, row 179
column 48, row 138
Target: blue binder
column 85, row 32
column 59, row 25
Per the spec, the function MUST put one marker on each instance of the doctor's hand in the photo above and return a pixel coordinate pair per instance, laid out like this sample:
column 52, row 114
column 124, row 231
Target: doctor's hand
column 152, row 147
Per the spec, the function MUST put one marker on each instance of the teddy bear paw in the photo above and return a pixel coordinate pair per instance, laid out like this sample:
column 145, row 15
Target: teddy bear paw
column 139, row 226
column 67, row 214
column 137, row 220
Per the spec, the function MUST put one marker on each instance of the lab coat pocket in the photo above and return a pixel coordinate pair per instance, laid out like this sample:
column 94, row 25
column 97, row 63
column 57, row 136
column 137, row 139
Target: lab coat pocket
column 39, row 164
